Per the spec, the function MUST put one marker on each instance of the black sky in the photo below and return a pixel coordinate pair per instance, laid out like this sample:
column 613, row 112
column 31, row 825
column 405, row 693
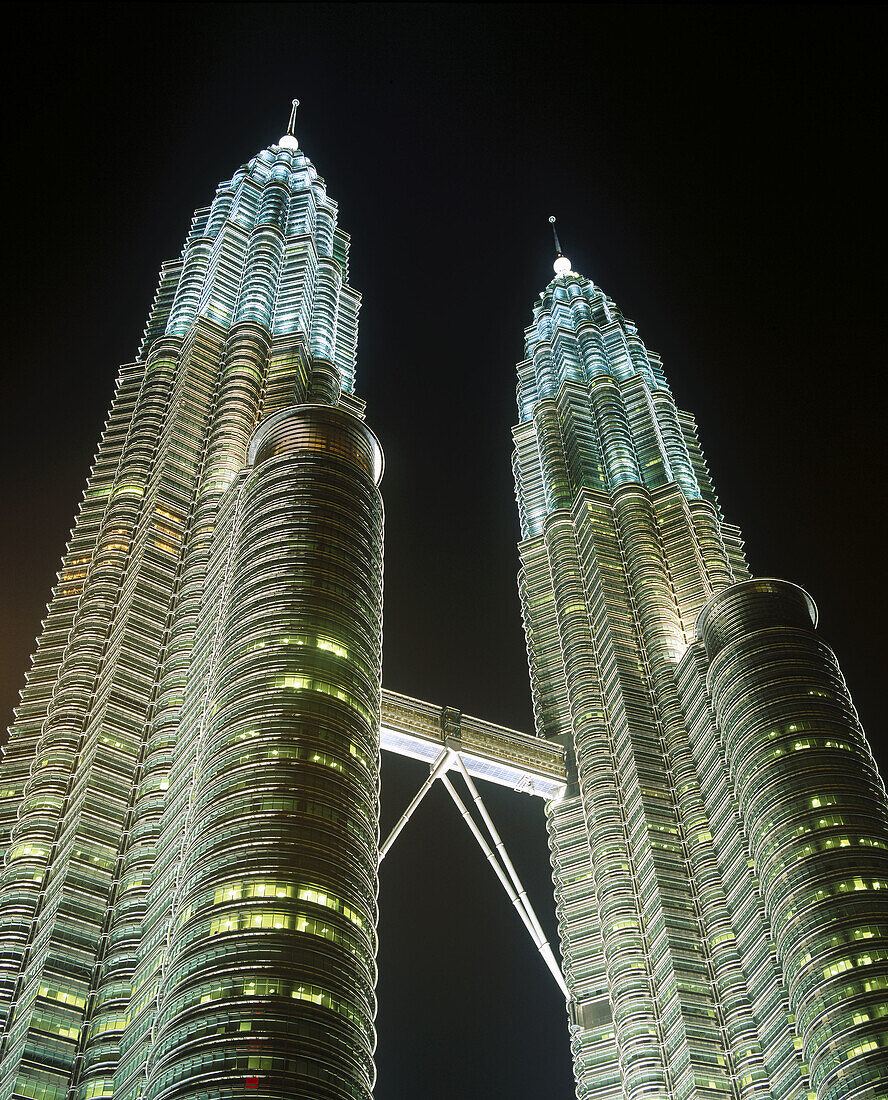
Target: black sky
column 718, row 170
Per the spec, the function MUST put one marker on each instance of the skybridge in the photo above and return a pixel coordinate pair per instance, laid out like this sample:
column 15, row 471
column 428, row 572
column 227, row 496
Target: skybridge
column 498, row 754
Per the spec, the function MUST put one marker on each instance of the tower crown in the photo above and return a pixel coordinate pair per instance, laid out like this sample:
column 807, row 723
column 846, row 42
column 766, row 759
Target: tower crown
column 268, row 250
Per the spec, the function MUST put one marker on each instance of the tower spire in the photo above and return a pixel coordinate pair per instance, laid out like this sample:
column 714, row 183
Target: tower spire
column 288, row 141
column 562, row 263
column 558, row 251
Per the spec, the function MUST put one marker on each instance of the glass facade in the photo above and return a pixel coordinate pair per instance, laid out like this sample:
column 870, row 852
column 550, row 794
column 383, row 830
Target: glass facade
column 190, row 794
column 719, row 856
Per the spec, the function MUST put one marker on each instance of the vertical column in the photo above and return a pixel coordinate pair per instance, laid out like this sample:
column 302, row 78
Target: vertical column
column 269, row 983
column 816, row 817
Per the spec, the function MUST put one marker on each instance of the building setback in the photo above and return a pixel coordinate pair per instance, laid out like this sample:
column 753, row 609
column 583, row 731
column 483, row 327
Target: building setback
column 189, row 800
column 721, row 855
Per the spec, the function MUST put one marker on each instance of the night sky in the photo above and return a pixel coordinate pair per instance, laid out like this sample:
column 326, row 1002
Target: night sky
column 716, row 170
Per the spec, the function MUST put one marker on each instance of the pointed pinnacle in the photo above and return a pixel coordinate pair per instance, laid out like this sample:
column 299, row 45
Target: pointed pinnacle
column 558, row 251
column 291, row 126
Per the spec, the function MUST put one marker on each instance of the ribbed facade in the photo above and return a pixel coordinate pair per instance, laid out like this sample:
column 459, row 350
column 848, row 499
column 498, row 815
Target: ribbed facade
column 710, row 950
column 189, row 801
column 190, row 793
column 814, row 811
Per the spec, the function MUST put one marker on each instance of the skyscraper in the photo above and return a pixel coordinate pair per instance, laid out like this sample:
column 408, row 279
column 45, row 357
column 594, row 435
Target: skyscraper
column 190, row 797
column 190, row 794
column 721, row 855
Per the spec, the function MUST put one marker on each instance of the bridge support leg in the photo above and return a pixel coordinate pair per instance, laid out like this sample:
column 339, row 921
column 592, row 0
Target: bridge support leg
column 520, row 901
column 439, row 766
column 544, row 946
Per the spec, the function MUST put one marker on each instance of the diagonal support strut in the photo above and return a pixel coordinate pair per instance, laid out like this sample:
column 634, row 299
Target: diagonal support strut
column 540, row 935
column 523, row 908
column 439, row 766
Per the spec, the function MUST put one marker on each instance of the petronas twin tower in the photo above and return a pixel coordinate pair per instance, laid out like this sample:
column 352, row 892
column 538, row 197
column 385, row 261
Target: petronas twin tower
column 189, row 800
